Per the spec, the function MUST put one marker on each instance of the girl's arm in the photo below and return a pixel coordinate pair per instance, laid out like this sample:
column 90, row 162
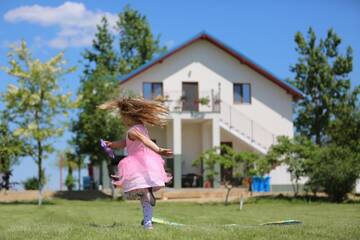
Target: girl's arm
column 116, row 144
column 136, row 135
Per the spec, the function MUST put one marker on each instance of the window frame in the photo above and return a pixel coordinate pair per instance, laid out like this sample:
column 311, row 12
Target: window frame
column 241, row 84
column 152, row 89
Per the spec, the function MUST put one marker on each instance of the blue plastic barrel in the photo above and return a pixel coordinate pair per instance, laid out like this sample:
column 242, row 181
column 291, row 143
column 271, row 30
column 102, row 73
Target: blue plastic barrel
column 260, row 184
column 255, row 184
column 267, row 184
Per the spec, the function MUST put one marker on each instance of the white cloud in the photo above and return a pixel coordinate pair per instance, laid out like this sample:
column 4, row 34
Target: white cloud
column 76, row 23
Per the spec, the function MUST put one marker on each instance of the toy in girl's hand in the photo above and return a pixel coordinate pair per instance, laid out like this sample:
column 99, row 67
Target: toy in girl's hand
column 107, row 149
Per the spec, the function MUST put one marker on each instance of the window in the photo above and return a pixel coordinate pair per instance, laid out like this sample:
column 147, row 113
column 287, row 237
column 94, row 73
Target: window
column 242, row 93
column 152, row 90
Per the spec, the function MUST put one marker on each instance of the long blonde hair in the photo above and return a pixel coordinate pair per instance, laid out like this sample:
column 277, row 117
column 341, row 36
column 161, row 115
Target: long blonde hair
column 138, row 110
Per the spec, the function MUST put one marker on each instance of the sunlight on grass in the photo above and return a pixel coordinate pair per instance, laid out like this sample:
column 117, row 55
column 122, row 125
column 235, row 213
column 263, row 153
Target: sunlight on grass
column 105, row 219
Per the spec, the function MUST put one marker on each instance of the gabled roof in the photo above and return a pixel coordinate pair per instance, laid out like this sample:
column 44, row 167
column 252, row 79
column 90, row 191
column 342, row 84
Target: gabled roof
column 203, row 36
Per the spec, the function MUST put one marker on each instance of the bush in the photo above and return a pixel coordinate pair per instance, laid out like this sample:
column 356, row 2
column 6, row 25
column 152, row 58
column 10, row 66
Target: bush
column 31, row 183
column 335, row 169
column 70, row 182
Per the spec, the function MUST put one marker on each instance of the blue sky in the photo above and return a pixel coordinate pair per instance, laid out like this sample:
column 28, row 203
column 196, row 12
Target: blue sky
column 262, row 30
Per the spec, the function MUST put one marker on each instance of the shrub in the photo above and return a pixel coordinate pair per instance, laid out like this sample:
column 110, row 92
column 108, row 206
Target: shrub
column 335, row 169
column 31, row 183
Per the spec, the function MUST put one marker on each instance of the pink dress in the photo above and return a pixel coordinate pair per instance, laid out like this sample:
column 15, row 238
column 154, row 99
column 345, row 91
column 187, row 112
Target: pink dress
column 142, row 168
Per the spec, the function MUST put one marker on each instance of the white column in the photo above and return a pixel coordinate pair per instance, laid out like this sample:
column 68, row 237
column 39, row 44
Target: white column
column 177, row 150
column 215, row 141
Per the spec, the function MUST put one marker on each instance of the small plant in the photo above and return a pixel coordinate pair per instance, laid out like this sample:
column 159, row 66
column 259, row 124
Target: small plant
column 204, row 100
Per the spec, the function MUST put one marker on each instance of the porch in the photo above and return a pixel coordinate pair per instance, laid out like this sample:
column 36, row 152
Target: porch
column 188, row 137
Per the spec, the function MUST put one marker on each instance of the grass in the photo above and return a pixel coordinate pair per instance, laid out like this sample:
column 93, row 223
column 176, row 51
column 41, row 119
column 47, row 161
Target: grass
column 105, row 219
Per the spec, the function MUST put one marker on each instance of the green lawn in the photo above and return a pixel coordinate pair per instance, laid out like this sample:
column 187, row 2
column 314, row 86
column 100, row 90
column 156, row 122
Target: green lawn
column 61, row 219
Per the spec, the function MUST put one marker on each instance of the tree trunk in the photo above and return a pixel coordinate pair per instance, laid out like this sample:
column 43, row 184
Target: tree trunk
column 6, row 179
column 79, row 177
column 40, row 177
column 70, row 185
column 228, row 188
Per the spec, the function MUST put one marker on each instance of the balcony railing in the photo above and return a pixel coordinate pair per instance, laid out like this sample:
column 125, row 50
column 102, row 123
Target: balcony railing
column 246, row 127
column 178, row 101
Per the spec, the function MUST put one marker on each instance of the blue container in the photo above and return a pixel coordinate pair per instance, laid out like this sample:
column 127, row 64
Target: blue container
column 260, row 184
column 255, row 184
column 267, row 184
column 86, row 182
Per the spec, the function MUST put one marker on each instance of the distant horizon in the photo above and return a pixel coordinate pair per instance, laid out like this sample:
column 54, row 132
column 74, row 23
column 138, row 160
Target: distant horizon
column 262, row 30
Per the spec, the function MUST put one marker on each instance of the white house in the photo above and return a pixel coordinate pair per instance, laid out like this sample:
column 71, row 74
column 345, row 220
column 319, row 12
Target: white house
column 215, row 95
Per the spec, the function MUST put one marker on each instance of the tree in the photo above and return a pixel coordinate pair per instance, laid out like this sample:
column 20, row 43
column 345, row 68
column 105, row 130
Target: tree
column 252, row 163
column 98, row 84
column 295, row 154
column 137, row 43
column 345, row 129
column 92, row 123
column 69, row 160
column 322, row 75
column 37, row 102
column 11, row 149
column 102, row 52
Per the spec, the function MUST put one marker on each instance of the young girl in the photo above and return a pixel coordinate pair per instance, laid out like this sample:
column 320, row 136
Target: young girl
column 142, row 171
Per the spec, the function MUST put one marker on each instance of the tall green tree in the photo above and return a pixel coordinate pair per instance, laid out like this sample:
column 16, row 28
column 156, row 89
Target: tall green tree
column 98, row 84
column 92, row 123
column 37, row 102
column 322, row 74
column 137, row 43
column 102, row 51
column 11, row 148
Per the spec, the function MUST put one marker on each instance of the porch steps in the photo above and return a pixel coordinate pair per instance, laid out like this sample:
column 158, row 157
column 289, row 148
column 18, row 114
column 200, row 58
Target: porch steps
column 245, row 128
column 226, row 126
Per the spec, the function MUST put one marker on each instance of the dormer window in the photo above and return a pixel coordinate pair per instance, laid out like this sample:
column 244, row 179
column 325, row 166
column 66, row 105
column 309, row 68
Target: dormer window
column 242, row 93
column 151, row 90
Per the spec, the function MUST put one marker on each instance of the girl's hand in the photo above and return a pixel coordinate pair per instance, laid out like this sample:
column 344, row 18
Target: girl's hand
column 109, row 144
column 117, row 144
column 165, row 152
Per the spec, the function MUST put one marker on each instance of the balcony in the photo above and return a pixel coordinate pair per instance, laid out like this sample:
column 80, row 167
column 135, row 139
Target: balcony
column 180, row 101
